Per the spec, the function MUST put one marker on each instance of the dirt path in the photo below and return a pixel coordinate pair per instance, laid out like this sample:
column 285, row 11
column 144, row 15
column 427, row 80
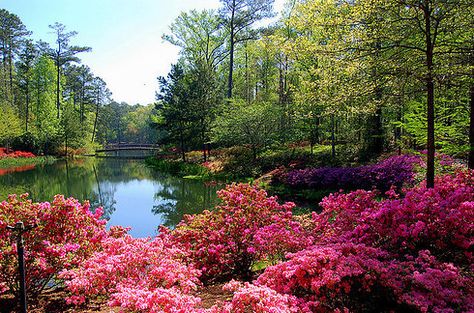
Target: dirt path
column 53, row 302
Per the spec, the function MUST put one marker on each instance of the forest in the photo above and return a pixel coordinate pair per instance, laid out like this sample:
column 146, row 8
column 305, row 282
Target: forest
column 364, row 77
column 51, row 103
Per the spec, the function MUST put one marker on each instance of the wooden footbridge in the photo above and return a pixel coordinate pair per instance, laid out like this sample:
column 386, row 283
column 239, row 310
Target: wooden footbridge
column 128, row 150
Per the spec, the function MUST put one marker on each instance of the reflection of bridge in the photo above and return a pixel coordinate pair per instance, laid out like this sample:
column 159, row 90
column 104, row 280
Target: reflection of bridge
column 127, row 147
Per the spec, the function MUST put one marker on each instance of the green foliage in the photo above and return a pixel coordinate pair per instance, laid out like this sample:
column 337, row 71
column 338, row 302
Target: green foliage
column 179, row 168
column 252, row 125
column 14, row 162
column 9, row 123
column 138, row 124
column 200, row 36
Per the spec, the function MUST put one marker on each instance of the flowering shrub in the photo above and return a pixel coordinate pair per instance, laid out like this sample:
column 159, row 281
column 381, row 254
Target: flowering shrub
column 157, row 300
column 15, row 154
column 393, row 171
column 138, row 274
column 440, row 219
column 67, row 233
column 336, row 276
column 328, row 276
column 258, row 299
column 413, row 253
column 248, row 226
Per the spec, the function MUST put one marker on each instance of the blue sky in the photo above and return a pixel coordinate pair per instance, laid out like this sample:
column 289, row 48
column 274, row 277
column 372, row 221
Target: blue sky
column 125, row 36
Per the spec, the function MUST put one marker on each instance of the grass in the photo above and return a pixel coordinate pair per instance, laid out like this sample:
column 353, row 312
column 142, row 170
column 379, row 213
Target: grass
column 17, row 162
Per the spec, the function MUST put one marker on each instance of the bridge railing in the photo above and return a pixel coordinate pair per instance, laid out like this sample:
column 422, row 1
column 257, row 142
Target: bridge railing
column 129, row 145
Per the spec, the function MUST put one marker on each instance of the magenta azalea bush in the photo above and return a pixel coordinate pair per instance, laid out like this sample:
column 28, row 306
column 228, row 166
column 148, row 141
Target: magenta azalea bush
column 409, row 254
column 393, row 171
column 67, row 233
column 247, row 227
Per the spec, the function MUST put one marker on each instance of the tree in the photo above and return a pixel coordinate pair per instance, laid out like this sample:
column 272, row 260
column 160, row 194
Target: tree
column 204, row 99
column 238, row 16
column 79, row 87
column 46, row 125
column 12, row 33
column 253, row 125
column 173, row 109
column 9, row 123
column 111, row 124
column 102, row 95
column 139, row 125
column 63, row 54
column 200, row 36
column 27, row 57
column 421, row 28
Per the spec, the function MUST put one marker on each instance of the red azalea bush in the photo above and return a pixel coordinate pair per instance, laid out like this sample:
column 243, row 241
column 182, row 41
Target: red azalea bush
column 227, row 241
column 66, row 235
column 15, row 154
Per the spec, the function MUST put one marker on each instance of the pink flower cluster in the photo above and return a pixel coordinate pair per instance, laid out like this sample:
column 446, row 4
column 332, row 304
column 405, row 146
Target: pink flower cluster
column 128, row 269
column 258, row 299
column 67, row 233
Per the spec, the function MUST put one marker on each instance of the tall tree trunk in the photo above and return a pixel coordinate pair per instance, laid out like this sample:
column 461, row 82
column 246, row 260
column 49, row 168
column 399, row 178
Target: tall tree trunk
column 203, row 138
column 181, row 143
column 58, row 77
column 66, row 143
column 247, row 77
column 471, row 129
column 231, row 70
column 398, row 128
column 10, row 69
column 430, row 169
column 95, row 122
column 230, row 83
column 317, row 124
column 375, row 135
column 333, row 137
column 27, row 105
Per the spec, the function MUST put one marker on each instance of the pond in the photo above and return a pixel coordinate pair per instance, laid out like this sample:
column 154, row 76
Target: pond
column 130, row 193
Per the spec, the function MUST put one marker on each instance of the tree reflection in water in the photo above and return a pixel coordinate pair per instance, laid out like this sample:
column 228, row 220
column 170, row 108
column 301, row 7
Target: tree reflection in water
column 177, row 197
column 104, row 181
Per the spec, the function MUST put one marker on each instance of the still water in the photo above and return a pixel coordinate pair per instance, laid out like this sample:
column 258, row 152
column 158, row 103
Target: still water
column 130, row 193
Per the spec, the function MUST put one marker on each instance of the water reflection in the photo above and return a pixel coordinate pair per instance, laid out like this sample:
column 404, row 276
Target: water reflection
column 131, row 194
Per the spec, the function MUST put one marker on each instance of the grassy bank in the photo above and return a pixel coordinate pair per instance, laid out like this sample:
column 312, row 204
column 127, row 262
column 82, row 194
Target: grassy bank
column 179, row 168
column 17, row 162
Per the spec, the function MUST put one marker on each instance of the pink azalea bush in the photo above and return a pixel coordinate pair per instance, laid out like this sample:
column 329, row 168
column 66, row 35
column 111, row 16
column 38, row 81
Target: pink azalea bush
column 439, row 219
column 248, row 226
column 156, row 300
column 130, row 271
column 258, row 299
column 67, row 233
